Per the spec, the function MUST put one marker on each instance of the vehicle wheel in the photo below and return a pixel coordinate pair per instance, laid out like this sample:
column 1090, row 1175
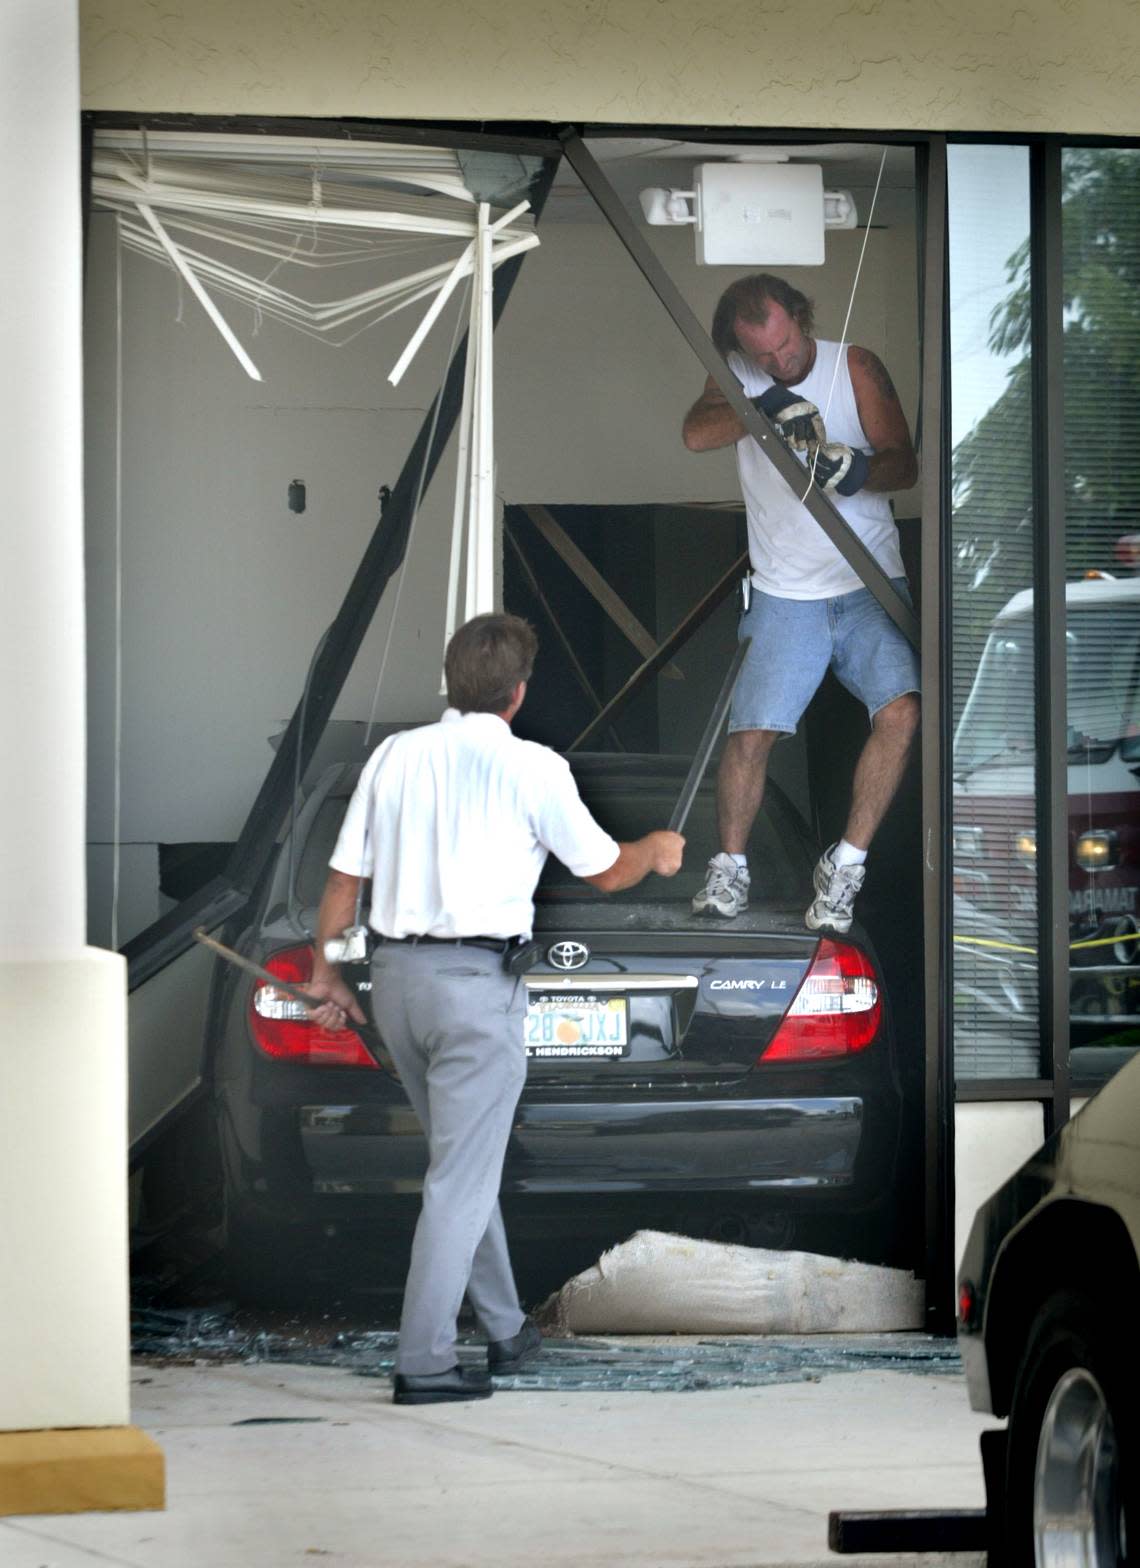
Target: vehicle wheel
column 1072, row 1482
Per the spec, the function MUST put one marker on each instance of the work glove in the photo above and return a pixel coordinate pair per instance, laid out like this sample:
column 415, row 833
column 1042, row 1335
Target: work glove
column 796, row 418
column 843, row 469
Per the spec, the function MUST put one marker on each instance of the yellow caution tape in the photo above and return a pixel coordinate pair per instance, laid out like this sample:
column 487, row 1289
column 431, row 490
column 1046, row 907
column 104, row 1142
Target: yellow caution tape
column 1106, row 941
column 1013, row 947
column 983, row 941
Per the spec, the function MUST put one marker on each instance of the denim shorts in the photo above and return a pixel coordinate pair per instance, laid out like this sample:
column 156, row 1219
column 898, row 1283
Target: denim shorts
column 794, row 641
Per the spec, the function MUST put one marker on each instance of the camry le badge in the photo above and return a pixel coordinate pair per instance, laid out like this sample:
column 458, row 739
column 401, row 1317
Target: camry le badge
column 567, row 955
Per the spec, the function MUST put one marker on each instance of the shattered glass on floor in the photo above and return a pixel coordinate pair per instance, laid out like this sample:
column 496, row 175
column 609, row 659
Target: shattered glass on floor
column 663, row 1364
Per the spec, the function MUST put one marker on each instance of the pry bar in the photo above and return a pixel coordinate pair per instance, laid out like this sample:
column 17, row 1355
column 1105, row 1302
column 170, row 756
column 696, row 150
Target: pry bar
column 200, row 935
column 704, row 751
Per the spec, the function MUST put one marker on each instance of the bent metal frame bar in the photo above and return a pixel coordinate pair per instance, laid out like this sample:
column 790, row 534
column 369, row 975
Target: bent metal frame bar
column 220, row 903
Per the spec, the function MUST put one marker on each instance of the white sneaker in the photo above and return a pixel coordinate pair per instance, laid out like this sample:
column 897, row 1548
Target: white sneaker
column 836, row 887
column 726, row 888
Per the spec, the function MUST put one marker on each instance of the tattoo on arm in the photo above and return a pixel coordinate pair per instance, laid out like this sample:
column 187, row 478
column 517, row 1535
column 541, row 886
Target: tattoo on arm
column 894, row 463
column 879, row 375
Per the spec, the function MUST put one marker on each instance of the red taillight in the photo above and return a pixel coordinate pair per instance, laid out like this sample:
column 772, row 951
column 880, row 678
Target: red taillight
column 281, row 1030
column 967, row 1304
column 837, row 1009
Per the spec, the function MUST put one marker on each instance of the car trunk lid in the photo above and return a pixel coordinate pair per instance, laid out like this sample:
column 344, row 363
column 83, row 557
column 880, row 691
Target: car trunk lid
column 649, row 991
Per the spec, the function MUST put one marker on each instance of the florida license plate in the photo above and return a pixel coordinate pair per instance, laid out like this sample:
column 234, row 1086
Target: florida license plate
column 564, row 1025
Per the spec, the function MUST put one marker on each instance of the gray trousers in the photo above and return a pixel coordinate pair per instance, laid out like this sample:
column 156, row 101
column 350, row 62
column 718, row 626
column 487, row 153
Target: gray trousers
column 452, row 1021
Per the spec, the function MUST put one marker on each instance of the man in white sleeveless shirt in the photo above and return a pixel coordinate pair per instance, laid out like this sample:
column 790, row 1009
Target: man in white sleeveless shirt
column 809, row 610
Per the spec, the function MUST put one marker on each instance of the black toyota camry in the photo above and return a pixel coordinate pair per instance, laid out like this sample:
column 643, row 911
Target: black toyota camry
column 748, row 1064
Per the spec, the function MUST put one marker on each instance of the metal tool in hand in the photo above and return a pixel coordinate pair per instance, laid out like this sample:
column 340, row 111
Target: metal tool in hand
column 704, row 751
column 201, row 935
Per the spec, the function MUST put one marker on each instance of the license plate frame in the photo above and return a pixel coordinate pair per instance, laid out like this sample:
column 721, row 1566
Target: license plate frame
column 551, row 1017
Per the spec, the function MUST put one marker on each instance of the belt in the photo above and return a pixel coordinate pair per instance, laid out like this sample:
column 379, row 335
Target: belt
column 493, row 944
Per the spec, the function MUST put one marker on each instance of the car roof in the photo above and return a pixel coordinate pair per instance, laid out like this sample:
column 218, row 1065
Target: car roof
column 592, row 767
column 1092, row 590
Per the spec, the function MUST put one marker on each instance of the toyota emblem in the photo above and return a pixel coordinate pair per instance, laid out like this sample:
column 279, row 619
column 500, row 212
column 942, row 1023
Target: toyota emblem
column 567, row 955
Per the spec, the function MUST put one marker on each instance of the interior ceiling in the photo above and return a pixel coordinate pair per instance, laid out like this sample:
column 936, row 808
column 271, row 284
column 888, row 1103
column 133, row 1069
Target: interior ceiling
column 362, row 171
column 632, row 164
column 329, row 238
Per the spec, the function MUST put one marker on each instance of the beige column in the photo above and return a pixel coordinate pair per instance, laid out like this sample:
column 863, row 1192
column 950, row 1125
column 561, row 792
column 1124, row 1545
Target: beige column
column 63, row 1230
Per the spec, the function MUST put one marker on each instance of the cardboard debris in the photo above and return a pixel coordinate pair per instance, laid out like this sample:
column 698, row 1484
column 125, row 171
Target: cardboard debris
column 656, row 1283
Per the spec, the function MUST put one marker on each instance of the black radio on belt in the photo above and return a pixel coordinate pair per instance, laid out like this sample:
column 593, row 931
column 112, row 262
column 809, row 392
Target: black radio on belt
column 522, row 956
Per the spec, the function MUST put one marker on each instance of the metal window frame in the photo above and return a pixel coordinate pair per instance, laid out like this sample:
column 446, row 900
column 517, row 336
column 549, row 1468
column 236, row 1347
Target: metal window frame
column 225, row 898
column 414, row 133
column 1054, row 1088
column 1051, row 1090
column 936, row 666
column 975, row 1091
column 1052, row 776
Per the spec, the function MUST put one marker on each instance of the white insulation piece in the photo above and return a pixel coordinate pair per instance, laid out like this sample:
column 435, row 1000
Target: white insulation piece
column 481, row 505
column 215, row 315
column 656, row 1283
column 473, row 516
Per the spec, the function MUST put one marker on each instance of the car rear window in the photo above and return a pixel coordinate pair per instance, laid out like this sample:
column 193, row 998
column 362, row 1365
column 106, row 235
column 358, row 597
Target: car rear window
column 628, row 803
column 314, row 862
column 777, row 850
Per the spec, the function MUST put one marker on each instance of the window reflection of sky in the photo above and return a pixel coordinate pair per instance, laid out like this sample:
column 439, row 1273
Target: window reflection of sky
column 989, row 195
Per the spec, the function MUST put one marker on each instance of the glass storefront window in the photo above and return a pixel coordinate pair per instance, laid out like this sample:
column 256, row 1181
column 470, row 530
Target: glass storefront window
column 995, row 971
column 1101, row 272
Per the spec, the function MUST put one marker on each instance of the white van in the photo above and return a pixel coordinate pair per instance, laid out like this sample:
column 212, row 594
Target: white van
column 995, row 840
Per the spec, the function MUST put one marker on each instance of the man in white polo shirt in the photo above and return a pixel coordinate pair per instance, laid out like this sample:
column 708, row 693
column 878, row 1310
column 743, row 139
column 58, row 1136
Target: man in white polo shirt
column 453, row 822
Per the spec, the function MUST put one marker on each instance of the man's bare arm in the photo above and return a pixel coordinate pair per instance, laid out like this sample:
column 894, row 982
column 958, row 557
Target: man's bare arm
column 337, row 911
column 660, row 852
column 893, row 465
column 710, row 423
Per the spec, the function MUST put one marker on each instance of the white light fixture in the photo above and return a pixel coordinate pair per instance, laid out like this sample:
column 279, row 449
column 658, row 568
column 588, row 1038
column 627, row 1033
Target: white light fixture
column 661, row 206
column 754, row 212
column 839, row 210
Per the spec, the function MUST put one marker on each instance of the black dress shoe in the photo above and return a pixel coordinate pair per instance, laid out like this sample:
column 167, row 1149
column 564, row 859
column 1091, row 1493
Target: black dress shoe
column 507, row 1355
column 438, row 1388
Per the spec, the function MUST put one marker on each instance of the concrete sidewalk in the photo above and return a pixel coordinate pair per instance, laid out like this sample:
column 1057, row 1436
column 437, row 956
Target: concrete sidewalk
column 329, row 1470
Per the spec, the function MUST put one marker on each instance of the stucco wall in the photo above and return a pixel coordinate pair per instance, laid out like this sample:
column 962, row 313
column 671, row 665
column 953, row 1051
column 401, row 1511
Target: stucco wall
column 1055, row 65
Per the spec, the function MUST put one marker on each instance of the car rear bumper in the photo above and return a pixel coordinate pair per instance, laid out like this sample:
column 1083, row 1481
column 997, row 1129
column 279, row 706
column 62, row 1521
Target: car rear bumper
column 786, row 1146
column 974, row 1364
